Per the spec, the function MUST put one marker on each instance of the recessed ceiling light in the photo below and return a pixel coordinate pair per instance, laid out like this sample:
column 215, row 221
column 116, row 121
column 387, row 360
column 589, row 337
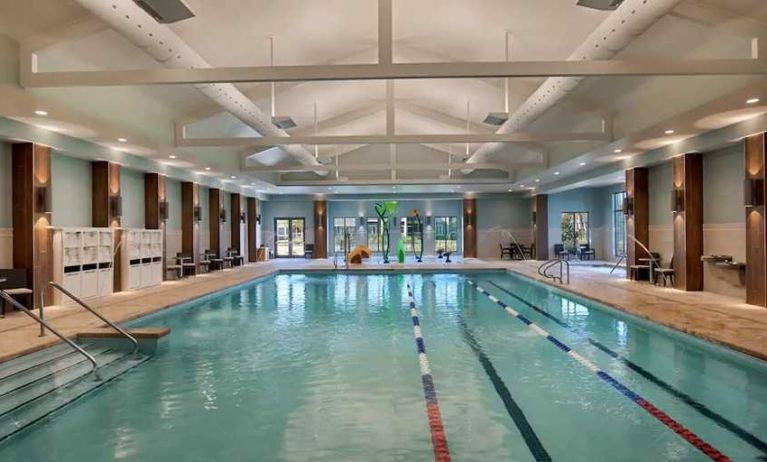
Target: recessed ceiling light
column 669, row 132
column 521, row 186
column 556, row 173
column 582, row 164
column 233, row 177
column 509, row 190
column 752, row 101
column 207, row 169
column 618, row 151
column 40, row 112
column 172, row 156
column 537, row 180
column 122, row 140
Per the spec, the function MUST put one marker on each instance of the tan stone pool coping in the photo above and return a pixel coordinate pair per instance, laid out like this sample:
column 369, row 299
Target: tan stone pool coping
column 716, row 318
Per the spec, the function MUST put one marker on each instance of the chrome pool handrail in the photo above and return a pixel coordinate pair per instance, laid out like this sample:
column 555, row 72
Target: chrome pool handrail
column 42, row 322
column 80, row 302
column 544, row 268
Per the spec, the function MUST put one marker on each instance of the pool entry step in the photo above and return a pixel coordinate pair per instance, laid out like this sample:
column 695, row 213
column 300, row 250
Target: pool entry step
column 36, row 385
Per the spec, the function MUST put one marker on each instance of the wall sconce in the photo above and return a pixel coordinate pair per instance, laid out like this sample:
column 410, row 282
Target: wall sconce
column 428, row 220
column 258, row 218
column 164, row 211
column 628, row 206
column 242, row 217
column 43, row 200
column 362, row 221
column 535, row 216
column 222, row 215
column 116, row 206
column 197, row 213
column 677, row 200
column 753, row 192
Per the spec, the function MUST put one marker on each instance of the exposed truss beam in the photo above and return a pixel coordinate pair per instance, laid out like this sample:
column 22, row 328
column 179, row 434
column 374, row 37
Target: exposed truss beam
column 520, row 137
column 377, row 167
column 399, row 71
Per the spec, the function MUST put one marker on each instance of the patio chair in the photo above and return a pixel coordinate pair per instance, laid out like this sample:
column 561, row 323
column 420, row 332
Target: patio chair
column 587, row 252
column 505, row 251
column 667, row 274
column 560, row 252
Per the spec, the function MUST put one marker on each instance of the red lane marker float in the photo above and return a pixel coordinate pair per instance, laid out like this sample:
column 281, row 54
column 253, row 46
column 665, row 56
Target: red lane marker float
column 438, row 437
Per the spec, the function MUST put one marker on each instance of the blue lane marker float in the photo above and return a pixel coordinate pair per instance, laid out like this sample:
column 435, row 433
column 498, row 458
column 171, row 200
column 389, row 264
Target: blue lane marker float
column 701, row 408
column 665, row 419
column 438, row 437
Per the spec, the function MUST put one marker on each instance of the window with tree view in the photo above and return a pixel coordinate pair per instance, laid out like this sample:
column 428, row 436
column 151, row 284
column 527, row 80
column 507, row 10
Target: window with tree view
column 446, row 233
column 343, row 225
column 619, row 224
column 410, row 234
column 575, row 230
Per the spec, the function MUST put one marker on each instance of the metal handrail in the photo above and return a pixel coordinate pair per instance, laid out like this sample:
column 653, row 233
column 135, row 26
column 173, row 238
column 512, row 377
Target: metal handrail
column 58, row 334
column 543, row 270
column 114, row 326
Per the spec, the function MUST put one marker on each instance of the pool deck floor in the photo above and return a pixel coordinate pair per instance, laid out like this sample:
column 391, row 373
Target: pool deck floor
column 717, row 318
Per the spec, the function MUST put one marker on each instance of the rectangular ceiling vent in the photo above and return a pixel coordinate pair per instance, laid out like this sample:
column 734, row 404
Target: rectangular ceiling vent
column 600, row 4
column 166, row 11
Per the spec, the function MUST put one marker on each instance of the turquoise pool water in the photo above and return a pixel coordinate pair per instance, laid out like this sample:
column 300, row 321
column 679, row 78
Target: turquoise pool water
column 324, row 367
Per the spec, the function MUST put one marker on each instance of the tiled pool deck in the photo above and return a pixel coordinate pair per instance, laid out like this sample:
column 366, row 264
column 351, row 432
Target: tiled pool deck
column 713, row 317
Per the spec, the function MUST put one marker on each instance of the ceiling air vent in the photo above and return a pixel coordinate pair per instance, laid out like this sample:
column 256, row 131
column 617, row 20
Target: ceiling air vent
column 166, row 11
column 600, row 4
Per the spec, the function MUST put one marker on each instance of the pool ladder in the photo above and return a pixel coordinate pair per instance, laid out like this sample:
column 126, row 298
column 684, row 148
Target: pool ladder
column 561, row 264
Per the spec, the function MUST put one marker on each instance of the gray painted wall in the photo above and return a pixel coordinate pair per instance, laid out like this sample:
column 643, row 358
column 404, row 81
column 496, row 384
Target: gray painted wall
column 6, row 217
column 723, row 175
column 71, row 191
column 659, row 181
column 173, row 196
column 132, row 191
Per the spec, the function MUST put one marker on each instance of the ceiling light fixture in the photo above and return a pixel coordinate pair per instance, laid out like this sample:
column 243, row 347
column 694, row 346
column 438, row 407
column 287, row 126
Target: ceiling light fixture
column 752, row 101
column 582, row 164
column 556, row 173
column 283, row 122
column 499, row 118
column 122, row 140
column 233, row 177
column 537, row 180
column 521, row 186
column 172, row 156
column 669, row 132
column 40, row 112
column 207, row 169
column 618, row 151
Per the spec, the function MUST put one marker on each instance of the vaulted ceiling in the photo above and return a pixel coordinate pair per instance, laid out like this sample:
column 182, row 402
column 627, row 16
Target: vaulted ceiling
column 232, row 33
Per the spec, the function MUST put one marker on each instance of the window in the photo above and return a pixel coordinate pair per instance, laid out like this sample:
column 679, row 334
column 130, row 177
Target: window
column 619, row 224
column 374, row 232
column 410, row 233
column 575, row 229
column 446, row 233
column 343, row 225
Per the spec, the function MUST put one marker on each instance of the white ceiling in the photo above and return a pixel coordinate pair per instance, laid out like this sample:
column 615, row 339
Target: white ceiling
column 235, row 33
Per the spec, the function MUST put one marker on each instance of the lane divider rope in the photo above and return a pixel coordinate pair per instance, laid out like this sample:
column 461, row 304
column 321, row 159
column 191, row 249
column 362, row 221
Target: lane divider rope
column 438, row 437
column 665, row 419
column 717, row 418
column 512, row 408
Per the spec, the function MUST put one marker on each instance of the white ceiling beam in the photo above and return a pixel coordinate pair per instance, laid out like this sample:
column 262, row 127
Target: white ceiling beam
column 519, row 137
column 385, row 26
column 650, row 67
column 375, row 167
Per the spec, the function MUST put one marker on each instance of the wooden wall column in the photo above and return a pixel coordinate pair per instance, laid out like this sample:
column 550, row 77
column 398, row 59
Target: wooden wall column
column 638, row 220
column 32, row 250
column 470, row 228
column 105, row 180
column 190, row 227
column 688, row 222
column 215, row 205
column 236, row 206
column 154, row 197
column 756, row 231
column 541, row 226
column 252, row 218
column 320, row 229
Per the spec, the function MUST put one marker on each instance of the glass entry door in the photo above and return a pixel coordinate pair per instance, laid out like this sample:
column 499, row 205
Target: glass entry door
column 289, row 237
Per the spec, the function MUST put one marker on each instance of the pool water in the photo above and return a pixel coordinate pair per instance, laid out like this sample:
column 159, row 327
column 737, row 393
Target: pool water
column 325, row 367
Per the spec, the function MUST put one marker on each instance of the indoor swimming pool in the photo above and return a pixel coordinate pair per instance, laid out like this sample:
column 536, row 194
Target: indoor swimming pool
column 465, row 366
